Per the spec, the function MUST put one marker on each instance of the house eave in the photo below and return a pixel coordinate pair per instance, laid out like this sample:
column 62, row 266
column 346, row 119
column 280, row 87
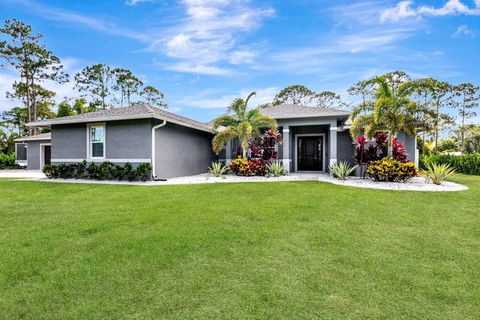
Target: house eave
column 49, row 123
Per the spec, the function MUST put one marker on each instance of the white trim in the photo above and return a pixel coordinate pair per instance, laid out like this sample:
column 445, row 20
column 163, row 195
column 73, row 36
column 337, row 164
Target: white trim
column 89, row 142
column 153, row 145
column 323, row 149
column 335, row 128
column 42, row 154
column 26, row 139
column 103, row 160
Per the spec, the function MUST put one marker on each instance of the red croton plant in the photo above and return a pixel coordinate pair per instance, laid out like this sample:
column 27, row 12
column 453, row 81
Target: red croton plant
column 367, row 151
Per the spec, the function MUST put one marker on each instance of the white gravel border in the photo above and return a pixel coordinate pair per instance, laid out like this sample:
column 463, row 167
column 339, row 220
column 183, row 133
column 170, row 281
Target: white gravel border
column 416, row 184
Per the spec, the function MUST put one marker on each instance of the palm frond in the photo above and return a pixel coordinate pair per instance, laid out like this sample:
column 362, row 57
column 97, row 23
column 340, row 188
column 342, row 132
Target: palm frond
column 224, row 121
column 220, row 139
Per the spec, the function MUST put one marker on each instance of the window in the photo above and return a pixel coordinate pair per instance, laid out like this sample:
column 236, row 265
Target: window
column 97, row 141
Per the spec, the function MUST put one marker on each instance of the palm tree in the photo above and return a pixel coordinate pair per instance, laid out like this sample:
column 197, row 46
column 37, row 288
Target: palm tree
column 391, row 110
column 240, row 123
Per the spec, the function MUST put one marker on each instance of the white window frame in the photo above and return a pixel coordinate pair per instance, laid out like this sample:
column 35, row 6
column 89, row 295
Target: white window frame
column 89, row 140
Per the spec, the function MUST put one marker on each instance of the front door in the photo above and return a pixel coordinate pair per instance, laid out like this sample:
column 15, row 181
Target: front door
column 310, row 153
column 47, row 155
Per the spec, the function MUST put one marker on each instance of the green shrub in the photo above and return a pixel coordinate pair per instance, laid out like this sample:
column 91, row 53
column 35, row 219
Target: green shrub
column 391, row 170
column 218, row 169
column 144, row 171
column 276, row 169
column 7, row 161
column 438, row 173
column 468, row 163
column 341, row 170
column 103, row 171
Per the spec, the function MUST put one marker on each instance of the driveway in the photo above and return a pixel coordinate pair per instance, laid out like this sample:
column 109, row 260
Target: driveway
column 26, row 174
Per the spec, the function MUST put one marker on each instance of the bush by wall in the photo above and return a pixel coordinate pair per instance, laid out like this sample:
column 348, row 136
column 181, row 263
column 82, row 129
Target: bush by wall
column 103, row 171
column 245, row 167
column 468, row 163
column 7, row 161
column 388, row 169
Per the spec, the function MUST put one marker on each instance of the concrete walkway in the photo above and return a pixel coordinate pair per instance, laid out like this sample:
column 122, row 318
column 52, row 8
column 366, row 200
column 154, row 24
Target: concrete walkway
column 22, row 174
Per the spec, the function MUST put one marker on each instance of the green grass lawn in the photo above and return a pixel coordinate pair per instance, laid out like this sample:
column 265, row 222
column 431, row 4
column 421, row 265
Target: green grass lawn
column 234, row 251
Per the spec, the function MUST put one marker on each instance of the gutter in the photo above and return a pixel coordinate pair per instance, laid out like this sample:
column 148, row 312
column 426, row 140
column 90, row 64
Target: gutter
column 153, row 145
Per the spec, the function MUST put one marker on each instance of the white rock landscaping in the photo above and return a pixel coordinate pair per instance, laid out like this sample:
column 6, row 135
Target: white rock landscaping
column 416, row 184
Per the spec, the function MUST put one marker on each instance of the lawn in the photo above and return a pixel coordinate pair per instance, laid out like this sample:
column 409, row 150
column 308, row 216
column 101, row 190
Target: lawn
column 235, row 251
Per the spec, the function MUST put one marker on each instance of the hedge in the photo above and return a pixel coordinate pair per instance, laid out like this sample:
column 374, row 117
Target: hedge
column 7, row 161
column 468, row 163
column 104, row 171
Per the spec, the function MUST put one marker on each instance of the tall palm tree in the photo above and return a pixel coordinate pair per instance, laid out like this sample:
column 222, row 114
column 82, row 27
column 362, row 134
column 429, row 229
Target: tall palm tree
column 240, row 123
column 390, row 110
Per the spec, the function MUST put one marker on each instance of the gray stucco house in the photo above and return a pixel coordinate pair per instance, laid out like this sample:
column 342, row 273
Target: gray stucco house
column 313, row 139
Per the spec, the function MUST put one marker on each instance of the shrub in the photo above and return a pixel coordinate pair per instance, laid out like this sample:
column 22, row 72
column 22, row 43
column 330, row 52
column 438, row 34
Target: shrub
column 276, row 169
column 239, row 166
column 218, row 169
column 245, row 167
column 144, row 171
column 7, row 161
column 438, row 173
column 388, row 169
column 341, row 170
column 468, row 163
column 103, row 171
column 257, row 167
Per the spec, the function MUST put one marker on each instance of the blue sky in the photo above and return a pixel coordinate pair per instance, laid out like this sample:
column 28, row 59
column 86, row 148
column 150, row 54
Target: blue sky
column 204, row 53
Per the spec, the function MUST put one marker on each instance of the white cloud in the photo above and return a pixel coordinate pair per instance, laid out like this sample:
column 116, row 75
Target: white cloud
column 464, row 30
column 404, row 10
column 209, row 34
column 213, row 100
column 187, row 67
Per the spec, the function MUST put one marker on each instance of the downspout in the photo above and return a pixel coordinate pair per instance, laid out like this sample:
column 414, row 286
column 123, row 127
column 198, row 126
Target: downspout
column 153, row 145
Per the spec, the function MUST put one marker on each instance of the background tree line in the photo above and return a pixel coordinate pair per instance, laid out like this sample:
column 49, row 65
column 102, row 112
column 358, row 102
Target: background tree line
column 394, row 100
column 99, row 86
column 427, row 104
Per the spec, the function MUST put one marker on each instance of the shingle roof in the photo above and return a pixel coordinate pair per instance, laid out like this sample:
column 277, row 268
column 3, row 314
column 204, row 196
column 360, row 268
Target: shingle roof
column 137, row 111
column 41, row 136
column 286, row 111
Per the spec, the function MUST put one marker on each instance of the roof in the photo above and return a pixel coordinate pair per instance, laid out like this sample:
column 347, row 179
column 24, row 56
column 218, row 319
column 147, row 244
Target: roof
column 41, row 136
column 137, row 111
column 287, row 111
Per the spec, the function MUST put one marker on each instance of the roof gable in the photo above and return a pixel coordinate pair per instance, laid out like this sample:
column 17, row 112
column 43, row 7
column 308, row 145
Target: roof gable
column 287, row 111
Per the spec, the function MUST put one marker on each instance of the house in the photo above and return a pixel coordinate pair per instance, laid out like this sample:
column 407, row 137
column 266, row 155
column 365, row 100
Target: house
column 313, row 139
column 172, row 144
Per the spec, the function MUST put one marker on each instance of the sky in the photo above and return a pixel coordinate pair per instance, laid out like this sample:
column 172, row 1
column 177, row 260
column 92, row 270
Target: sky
column 204, row 53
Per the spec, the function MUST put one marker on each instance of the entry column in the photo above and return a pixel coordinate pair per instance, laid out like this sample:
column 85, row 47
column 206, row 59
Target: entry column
column 286, row 148
column 332, row 145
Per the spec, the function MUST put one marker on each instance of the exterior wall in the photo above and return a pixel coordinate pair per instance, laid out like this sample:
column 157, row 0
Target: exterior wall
column 182, row 151
column 33, row 154
column 345, row 146
column 69, row 141
column 410, row 143
column 125, row 141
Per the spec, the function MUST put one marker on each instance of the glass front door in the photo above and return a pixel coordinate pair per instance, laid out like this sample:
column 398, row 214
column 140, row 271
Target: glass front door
column 310, row 153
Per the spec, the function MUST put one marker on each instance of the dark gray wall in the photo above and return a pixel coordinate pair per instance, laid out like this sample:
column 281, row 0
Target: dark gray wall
column 33, row 154
column 182, row 151
column 128, row 139
column 345, row 147
column 69, row 141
